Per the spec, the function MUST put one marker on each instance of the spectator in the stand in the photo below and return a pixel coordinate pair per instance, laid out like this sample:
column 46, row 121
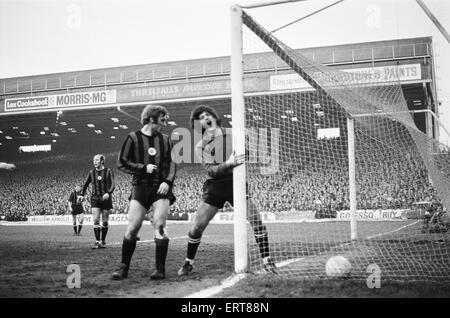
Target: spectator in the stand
column 389, row 180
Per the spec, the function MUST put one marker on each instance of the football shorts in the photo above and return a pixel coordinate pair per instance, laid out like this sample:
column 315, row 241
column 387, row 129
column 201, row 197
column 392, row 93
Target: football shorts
column 147, row 195
column 98, row 202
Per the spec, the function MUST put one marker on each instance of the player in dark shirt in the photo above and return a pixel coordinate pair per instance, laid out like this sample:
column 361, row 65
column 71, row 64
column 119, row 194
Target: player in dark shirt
column 213, row 149
column 103, row 185
column 146, row 154
column 76, row 209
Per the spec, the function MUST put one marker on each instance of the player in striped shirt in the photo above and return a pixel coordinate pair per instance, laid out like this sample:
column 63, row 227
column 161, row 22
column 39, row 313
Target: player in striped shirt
column 218, row 158
column 76, row 209
column 146, row 155
column 103, row 185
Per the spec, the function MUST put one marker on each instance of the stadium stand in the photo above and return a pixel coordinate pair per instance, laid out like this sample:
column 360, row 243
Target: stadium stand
column 42, row 186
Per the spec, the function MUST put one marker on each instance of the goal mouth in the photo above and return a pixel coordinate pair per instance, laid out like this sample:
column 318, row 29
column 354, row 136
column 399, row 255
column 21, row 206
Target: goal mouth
column 335, row 164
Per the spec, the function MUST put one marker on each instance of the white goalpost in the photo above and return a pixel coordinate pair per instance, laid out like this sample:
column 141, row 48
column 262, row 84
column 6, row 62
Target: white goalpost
column 238, row 115
column 353, row 194
column 352, row 177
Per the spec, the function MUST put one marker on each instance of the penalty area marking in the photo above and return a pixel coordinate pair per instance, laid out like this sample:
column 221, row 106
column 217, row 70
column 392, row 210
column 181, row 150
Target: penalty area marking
column 349, row 243
column 211, row 291
column 231, row 281
column 393, row 231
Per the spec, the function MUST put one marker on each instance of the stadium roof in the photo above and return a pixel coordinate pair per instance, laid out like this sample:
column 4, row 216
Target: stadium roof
column 105, row 127
column 101, row 129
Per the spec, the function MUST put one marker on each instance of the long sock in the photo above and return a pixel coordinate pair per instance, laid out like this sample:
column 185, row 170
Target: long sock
column 79, row 228
column 104, row 232
column 193, row 243
column 75, row 229
column 162, row 246
column 128, row 247
column 97, row 233
column 262, row 239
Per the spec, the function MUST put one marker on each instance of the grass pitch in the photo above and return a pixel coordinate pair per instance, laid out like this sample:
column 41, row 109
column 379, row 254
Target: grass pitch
column 34, row 262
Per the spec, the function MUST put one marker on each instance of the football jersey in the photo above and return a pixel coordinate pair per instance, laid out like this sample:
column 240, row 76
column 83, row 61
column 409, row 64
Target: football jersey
column 213, row 151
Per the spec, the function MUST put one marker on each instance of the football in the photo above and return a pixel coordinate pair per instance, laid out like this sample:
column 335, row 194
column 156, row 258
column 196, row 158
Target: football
column 338, row 266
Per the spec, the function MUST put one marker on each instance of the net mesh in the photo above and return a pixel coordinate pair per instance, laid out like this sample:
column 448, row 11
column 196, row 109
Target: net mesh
column 297, row 170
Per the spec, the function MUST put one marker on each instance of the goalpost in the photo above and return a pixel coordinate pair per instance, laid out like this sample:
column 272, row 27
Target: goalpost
column 352, row 195
column 238, row 115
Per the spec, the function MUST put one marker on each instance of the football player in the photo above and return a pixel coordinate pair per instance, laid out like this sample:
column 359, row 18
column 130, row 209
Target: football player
column 103, row 185
column 146, row 154
column 76, row 209
column 213, row 150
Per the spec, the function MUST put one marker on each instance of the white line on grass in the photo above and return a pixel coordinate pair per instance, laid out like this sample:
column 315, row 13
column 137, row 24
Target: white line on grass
column 211, row 291
column 234, row 279
column 287, row 262
column 231, row 281
column 393, row 231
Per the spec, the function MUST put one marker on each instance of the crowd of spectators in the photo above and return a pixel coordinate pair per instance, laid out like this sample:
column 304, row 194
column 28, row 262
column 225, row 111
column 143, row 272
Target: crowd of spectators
column 395, row 181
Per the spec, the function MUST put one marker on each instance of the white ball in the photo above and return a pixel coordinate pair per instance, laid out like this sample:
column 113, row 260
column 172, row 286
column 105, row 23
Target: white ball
column 337, row 266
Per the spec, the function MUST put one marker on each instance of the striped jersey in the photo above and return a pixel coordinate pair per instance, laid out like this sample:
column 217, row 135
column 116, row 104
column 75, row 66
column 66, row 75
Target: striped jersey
column 139, row 150
column 73, row 199
column 102, row 182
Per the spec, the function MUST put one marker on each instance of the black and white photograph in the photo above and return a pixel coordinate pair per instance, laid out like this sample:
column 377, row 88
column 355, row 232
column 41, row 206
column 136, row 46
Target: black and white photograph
column 224, row 154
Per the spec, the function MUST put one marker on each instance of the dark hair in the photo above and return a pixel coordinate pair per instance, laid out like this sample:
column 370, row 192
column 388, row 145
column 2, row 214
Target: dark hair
column 196, row 112
column 152, row 111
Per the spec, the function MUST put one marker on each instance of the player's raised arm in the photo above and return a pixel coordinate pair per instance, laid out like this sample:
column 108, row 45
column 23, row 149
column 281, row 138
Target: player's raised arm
column 126, row 161
column 235, row 160
column 214, row 169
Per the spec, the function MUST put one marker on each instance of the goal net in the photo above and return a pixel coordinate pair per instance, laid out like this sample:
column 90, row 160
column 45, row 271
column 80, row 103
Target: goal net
column 298, row 167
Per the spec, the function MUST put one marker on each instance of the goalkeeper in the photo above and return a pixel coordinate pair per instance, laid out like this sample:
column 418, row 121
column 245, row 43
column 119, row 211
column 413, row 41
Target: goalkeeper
column 76, row 209
column 436, row 219
column 218, row 188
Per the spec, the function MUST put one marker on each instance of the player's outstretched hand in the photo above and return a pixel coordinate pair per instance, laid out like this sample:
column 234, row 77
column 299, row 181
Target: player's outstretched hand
column 151, row 168
column 236, row 160
column 105, row 196
column 10, row 166
column 163, row 188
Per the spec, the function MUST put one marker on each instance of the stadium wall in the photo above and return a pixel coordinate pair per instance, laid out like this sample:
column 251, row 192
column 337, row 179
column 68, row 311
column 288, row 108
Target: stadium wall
column 227, row 217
